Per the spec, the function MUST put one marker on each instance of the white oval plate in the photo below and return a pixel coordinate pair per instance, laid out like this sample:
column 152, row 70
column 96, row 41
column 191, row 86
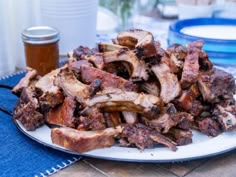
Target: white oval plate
column 202, row 146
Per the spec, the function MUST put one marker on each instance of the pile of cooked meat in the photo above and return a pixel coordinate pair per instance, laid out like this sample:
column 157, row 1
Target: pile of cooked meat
column 130, row 92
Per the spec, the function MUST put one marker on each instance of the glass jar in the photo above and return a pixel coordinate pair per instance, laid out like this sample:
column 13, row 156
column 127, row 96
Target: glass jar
column 41, row 48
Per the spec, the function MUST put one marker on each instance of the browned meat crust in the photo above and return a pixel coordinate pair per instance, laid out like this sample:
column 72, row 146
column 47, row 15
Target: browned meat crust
column 90, row 74
column 83, row 141
column 110, row 100
column 170, row 86
column 25, row 81
column 216, row 85
column 63, row 115
column 27, row 110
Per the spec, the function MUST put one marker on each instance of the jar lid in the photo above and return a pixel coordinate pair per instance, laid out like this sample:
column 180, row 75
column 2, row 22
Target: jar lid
column 40, row 35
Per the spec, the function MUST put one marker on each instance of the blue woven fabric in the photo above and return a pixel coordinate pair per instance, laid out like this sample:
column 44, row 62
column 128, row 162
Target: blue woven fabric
column 19, row 155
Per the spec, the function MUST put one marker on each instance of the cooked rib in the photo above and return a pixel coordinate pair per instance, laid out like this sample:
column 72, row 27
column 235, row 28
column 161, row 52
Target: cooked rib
column 177, row 51
column 25, row 81
column 170, row 86
column 92, row 119
column 76, row 65
column 144, row 137
column 191, row 69
column 83, row 141
column 80, row 52
column 226, row 116
column 162, row 124
column 195, row 45
column 27, row 110
column 216, row 84
column 96, row 59
column 90, row 74
column 72, row 87
column 181, row 137
column 171, row 64
column 138, row 135
column 112, row 119
column 208, row 126
column 169, row 119
column 186, row 100
column 204, row 62
column 151, row 87
column 149, row 106
column 130, row 117
column 50, row 95
column 138, row 67
column 140, row 40
column 107, row 47
column 63, row 115
column 91, row 55
column 121, row 69
column 164, row 140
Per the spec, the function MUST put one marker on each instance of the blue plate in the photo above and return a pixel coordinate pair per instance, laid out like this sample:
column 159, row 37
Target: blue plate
column 220, row 51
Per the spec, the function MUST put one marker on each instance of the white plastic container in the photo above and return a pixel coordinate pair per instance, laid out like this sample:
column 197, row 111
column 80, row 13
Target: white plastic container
column 75, row 19
column 187, row 11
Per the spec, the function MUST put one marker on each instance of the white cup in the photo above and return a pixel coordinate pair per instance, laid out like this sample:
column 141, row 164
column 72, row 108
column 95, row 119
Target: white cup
column 75, row 20
column 186, row 11
column 195, row 8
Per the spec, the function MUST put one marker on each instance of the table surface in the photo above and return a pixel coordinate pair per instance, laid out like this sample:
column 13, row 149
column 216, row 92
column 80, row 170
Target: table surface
column 218, row 166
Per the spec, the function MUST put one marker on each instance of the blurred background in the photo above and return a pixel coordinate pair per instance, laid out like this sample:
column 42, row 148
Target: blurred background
column 85, row 22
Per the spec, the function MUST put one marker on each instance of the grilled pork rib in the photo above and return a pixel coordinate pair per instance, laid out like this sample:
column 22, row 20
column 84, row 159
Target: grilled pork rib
column 83, row 141
column 132, row 91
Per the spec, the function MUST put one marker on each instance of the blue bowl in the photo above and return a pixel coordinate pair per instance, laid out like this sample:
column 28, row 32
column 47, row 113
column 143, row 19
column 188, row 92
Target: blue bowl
column 220, row 51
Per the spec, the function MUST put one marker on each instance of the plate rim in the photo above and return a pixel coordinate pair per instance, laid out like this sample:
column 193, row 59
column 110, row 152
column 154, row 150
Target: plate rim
column 89, row 154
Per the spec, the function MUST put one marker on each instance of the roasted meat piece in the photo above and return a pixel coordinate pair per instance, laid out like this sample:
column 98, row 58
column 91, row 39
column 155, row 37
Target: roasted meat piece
column 226, row 116
column 130, row 117
column 27, row 110
column 63, row 115
column 178, row 52
column 85, row 53
column 144, row 137
column 50, row 94
column 81, row 52
column 107, row 47
column 151, row 87
column 83, row 141
column 25, row 81
column 90, row 74
column 216, row 85
column 186, row 101
column 140, row 40
column 76, row 65
column 208, row 126
column 92, row 119
column 181, row 137
column 138, row 67
column 169, row 119
column 71, row 86
column 121, row 69
column 112, row 119
column 170, row 86
column 149, row 106
column 191, row 69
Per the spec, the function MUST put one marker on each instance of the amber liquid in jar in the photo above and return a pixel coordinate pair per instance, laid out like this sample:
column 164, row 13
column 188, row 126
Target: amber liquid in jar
column 41, row 48
column 42, row 57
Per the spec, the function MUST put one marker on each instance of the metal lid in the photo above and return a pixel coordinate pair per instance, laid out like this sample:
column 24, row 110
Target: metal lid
column 40, row 35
